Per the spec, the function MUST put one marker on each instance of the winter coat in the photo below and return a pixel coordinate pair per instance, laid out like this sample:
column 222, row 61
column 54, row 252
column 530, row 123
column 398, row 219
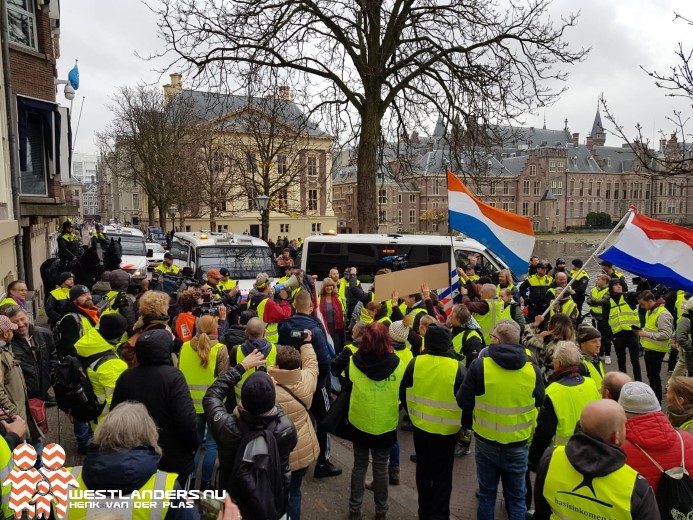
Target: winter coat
column 654, row 434
column 127, row 471
column 541, row 347
column 38, row 360
column 594, row 458
column 71, row 329
column 302, row 382
column 228, row 428
column 678, row 416
column 13, row 390
column 164, row 391
column 322, row 350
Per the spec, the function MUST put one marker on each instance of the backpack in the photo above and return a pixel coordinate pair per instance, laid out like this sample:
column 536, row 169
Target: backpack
column 257, row 475
column 73, row 391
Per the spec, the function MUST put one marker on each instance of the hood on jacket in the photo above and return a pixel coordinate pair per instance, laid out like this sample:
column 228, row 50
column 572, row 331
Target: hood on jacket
column 509, row 357
column 592, row 457
column 257, row 297
column 92, row 343
column 376, row 369
column 154, row 347
column 262, row 345
column 123, row 470
column 652, row 431
column 679, row 415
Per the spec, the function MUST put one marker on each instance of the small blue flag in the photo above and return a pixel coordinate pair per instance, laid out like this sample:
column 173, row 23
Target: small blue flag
column 73, row 77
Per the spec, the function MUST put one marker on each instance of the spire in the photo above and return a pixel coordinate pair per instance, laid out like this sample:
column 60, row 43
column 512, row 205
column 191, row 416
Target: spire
column 597, row 127
column 544, row 121
column 439, row 131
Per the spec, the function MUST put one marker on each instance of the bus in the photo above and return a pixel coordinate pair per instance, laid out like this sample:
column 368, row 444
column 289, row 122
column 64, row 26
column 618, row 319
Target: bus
column 134, row 259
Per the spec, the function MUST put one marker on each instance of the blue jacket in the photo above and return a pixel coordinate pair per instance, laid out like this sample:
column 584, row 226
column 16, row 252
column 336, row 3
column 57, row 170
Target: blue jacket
column 323, row 350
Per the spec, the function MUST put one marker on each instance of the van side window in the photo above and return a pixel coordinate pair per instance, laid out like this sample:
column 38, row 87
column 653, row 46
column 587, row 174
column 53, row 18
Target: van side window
column 179, row 251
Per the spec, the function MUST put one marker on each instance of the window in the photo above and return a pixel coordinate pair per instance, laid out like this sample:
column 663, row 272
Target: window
column 399, row 216
column 135, row 201
column 252, row 204
column 22, row 22
column 589, row 190
column 558, row 211
column 218, row 162
column 283, row 199
column 525, row 187
column 617, row 187
column 572, row 209
column 506, row 206
column 582, row 188
column 435, row 205
column 589, row 207
column 525, row 209
column 283, row 228
column 282, row 167
column 492, row 189
column 537, row 187
column 492, row 204
column 581, row 210
column 312, row 200
column 599, row 189
column 315, row 228
column 412, row 198
column 33, row 176
column 382, row 196
column 607, row 206
column 661, row 188
column 436, row 187
column 434, row 227
column 221, row 229
column 557, row 187
column 572, row 188
column 608, row 190
column 222, row 205
column 312, row 166
column 399, row 198
column 412, row 216
column 537, row 211
column 382, row 216
column 250, row 162
column 506, row 188
column 532, row 170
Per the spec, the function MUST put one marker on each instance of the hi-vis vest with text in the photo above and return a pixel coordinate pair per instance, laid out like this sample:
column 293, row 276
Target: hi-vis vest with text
column 488, row 321
column 431, row 398
column 621, row 316
column 598, row 294
column 568, row 402
column 571, row 495
column 6, row 466
column 225, row 286
column 271, row 360
column 506, row 411
column 538, row 285
column 658, row 345
column 374, row 405
column 185, row 326
column 199, row 379
column 271, row 329
column 159, row 481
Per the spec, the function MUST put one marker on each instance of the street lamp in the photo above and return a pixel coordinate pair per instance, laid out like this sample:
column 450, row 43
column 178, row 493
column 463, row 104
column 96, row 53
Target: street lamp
column 172, row 210
column 262, row 201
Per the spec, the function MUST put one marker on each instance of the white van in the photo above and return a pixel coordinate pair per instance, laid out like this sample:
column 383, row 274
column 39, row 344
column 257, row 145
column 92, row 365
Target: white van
column 244, row 256
column 134, row 259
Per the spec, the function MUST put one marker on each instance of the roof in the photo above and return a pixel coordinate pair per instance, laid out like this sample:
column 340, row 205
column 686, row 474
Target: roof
column 597, row 127
column 580, row 159
column 199, row 238
column 347, row 175
column 511, row 137
column 616, row 159
column 515, row 165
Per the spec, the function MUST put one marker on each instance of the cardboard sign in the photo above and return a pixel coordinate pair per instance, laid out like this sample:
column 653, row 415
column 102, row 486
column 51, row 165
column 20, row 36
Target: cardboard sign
column 409, row 281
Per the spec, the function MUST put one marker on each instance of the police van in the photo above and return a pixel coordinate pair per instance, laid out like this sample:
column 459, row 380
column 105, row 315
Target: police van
column 369, row 253
column 134, row 259
column 244, row 256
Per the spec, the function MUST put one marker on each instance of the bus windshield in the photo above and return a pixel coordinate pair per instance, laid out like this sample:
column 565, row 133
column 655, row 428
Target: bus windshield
column 243, row 262
column 132, row 245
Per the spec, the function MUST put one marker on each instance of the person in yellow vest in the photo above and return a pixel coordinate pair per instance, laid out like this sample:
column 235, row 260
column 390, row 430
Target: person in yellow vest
column 167, row 267
column 566, row 395
column 256, row 340
column 505, row 281
column 512, row 310
column 579, row 286
column 97, row 351
column 623, row 320
column 684, row 365
column 58, row 298
column 343, row 290
column 680, row 402
column 487, row 311
column 69, row 246
column 202, row 359
column 117, row 300
column 655, row 338
column 608, row 269
column 565, row 305
column 533, row 291
column 499, row 399
column 225, row 284
column 589, row 340
column 124, row 459
column 16, row 294
column 588, row 477
column 428, row 390
column 360, row 297
column 271, row 313
column 374, row 375
column 471, row 273
column 597, row 301
column 467, row 340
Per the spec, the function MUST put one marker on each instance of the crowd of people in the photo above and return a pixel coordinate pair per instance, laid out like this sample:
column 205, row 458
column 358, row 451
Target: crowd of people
column 187, row 395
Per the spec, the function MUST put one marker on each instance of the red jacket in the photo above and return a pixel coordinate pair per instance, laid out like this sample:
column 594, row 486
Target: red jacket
column 654, row 433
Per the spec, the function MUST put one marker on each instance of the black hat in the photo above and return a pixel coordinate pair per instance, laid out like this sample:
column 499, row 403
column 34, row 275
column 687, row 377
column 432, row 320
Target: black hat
column 77, row 291
column 112, row 326
column 224, row 272
column 615, row 281
column 65, row 276
column 577, row 263
column 258, row 395
column 587, row 333
column 542, row 265
column 168, row 256
column 606, row 264
column 438, row 338
column 67, row 224
column 560, row 261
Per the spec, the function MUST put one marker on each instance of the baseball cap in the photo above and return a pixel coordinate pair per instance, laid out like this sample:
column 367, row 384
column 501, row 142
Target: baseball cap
column 6, row 324
column 168, row 256
column 213, row 273
column 560, row 261
column 261, row 280
column 224, row 272
column 77, row 291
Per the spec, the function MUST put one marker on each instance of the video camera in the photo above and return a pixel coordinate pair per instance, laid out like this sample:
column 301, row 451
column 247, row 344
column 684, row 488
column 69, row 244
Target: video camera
column 396, row 263
column 210, row 306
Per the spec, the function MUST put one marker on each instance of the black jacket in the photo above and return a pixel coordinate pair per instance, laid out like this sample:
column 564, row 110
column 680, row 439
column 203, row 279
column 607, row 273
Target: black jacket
column 594, row 458
column 71, row 330
column 127, row 471
column 509, row 357
column 55, row 309
column 322, row 349
column 163, row 390
column 37, row 359
column 228, row 428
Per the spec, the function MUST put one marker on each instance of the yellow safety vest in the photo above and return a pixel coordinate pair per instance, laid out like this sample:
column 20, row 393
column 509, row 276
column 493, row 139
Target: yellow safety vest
column 431, row 398
column 6, row 466
column 598, row 294
column 488, row 321
column 621, row 316
column 568, row 402
column 353, row 349
column 405, row 356
column 198, row 378
column 573, row 272
column 571, row 495
column 651, row 326
column 227, row 285
column 61, row 293
column 460, row 339
column 374, row 405
column 680, row 298
column 568, row 308
column 271, row 360
column 84, row 322
column 506, row 411
column 596, row 373
column 343, row 290
column 159, row 481
column 167, row 269
column 510, row 287
column 8, row 301
column 111, row 298
column 538, row 285
column 271, row 329
column 363, row 315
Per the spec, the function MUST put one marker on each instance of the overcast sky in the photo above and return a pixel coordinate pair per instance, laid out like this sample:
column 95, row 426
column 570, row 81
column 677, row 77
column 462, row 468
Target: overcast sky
column 106, row 38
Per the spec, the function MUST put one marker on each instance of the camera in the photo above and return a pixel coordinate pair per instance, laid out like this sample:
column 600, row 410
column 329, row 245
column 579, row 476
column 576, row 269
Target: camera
column 210, row 307
column 262, row 368
column 299, row 334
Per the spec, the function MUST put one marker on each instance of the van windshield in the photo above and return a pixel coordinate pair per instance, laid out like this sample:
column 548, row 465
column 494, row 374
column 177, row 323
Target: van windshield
column 132, row 245
column 243, row 262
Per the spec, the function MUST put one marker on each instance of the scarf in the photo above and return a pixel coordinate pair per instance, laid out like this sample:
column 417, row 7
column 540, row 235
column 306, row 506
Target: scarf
column 92, row 313
column 19, row 302
column 336, row 308
column 564, row 371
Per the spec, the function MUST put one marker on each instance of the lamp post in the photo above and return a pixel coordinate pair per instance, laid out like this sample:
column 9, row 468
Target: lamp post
column 172, row 210
column 262, row 201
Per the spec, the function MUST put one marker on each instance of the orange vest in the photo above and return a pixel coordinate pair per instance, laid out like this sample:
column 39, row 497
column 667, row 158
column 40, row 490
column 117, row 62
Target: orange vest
column 185, row 326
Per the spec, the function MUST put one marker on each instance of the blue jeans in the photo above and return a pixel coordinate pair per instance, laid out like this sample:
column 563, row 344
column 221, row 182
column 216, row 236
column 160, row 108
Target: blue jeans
column 394, row 456
column 210, row 449
column 82, row 433
column 294, row 507
column 505, row 463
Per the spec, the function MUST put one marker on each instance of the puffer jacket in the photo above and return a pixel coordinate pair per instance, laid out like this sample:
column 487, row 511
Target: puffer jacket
column 13, row 390
column 302, row 382
column 38, row 359
column 654, row 434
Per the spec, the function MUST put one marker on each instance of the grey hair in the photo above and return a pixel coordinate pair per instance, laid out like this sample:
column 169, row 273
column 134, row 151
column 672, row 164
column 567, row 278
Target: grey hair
column 126, row 427
column 567, row 353
column 12, row 310
column 507, row 331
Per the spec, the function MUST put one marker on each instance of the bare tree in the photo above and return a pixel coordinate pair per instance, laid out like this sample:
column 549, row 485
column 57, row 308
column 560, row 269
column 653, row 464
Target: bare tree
column 392, row 63
column 148, row 143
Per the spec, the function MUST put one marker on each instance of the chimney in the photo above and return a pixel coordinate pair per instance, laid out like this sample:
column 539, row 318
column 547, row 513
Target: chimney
column 415, row 137
column 576, row 139
column 174, row 88
column 285, row 93
column 662, row 144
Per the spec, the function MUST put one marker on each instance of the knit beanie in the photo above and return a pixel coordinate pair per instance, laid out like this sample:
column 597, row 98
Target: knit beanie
column 638, row 398
column 587, row 333
column 399, row 332
column 112, row 326
column 258, row 395
column 438, row 338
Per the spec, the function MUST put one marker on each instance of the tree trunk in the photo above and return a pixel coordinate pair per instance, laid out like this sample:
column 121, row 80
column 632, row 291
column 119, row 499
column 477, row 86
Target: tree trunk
column 366, row 168
column 150, row 211
column 162, row 219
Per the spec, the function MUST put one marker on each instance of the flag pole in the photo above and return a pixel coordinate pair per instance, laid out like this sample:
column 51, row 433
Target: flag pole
column 593, row 257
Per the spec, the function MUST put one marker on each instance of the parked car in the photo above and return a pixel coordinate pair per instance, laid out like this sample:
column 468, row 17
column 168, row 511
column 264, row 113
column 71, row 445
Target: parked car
column 158, row 257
